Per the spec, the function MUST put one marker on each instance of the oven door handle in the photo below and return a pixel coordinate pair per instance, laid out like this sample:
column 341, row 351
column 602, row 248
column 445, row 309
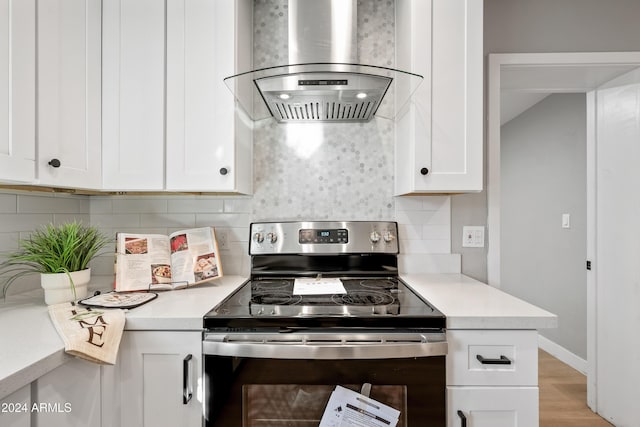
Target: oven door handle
column 323, row 349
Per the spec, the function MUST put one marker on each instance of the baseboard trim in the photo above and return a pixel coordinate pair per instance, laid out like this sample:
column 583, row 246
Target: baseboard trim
column 562, row 354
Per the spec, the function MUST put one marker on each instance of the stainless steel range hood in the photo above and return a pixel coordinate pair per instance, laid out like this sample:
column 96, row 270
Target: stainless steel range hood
column 323, row 81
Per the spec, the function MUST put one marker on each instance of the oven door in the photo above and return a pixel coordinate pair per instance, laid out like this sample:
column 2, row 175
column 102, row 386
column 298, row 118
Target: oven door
column 280, row 380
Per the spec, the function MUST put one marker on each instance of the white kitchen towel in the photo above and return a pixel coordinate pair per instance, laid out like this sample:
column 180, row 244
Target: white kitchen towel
column 89, row 333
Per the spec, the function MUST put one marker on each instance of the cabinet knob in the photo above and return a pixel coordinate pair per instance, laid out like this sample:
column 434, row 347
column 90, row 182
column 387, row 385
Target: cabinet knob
column 424, row 171
column 224, row 171
column 54, row 163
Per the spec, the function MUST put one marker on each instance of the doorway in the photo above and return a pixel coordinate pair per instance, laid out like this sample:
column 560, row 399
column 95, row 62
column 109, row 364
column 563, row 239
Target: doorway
column 541, row 74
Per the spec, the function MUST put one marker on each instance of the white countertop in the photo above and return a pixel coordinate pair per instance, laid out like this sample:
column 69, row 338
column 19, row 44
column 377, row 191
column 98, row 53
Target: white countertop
column 31, row 347
column 470, row 304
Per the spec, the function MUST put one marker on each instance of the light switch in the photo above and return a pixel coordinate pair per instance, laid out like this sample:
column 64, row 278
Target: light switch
column 473, row 236
column 566, row 220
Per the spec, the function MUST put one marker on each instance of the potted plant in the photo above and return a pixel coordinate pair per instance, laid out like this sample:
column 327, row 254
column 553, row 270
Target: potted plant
column 61, row 255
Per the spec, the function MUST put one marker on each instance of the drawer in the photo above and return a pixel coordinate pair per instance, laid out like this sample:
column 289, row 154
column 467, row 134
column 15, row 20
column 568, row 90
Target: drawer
column 492, row 357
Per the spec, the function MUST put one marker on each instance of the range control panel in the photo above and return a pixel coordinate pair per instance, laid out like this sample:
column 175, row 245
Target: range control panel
column 312, row 236
column 323, row 237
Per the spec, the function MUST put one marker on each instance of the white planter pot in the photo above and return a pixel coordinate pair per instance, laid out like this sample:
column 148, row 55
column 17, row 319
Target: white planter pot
column 57, row 287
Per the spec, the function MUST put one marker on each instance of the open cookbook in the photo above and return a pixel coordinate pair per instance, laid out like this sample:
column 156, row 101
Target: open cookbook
column 159, row 262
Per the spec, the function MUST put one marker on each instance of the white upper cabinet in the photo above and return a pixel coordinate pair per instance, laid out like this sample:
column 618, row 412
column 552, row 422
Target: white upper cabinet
column 133, row 94
column 17, row 90
column 69, row 85
column 439, row 134
column 169, row 122
column 208, row 142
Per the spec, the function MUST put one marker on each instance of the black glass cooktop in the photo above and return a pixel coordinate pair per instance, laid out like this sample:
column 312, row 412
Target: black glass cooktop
column 369, row 302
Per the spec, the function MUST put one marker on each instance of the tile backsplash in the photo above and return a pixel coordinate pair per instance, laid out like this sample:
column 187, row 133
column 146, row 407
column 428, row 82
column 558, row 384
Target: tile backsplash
column 424, row 223
column 22, row 212
column 230, row 216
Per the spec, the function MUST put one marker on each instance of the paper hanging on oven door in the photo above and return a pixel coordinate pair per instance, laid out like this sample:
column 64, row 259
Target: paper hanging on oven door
column 348, row 408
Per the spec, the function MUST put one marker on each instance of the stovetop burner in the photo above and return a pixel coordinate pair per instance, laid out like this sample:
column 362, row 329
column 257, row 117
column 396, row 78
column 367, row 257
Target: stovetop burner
column 274, row 298
column 269, row 285
column 366, row 298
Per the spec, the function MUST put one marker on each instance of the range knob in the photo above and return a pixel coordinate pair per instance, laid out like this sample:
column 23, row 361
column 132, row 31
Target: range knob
column 387, row 236
column 258, row 237
column 272, row 237
column 374, row 237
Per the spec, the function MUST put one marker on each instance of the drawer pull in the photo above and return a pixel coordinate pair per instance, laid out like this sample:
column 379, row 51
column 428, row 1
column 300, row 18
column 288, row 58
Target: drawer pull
column 463, row 419
column 504, row 360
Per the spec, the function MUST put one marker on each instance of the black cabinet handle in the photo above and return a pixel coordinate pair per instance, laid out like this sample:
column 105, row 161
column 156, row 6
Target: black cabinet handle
column 424, row 171
column 224, row 171
column 463, row 419
column 55, row 163
column 187, row 386
column 504, row 360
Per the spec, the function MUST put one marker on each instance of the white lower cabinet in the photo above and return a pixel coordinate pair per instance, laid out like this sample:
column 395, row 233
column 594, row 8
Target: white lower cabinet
column 492, row 378
column 68, row 396
column 492, row 406
column 160, row 376
column 15, row 408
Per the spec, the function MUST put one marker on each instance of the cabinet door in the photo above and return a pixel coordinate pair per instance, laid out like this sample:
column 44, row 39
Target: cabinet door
column 440, row 135
column 17, row 90
column 204, row 131
column 15, row 409
column 133, row 94
column 69, row 93
column 492, row 406
column 69, row 396
column 153, row 368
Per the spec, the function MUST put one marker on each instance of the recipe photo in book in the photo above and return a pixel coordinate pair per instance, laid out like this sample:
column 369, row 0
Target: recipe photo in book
column 159, row 262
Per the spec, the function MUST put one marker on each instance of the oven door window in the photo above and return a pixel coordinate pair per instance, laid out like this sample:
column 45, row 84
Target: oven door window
column 243, row 392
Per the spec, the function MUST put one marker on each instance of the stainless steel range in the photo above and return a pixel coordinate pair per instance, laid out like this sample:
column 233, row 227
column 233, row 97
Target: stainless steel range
column 324, row 306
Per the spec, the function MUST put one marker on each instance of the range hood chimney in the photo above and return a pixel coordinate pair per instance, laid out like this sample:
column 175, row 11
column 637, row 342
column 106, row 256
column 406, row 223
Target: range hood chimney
column 323, row 81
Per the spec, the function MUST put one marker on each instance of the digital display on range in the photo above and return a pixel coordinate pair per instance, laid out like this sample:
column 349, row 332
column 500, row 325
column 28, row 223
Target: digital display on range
column 312, row 236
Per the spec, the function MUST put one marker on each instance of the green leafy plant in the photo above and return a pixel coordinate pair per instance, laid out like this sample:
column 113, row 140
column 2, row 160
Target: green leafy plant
column 53, row 249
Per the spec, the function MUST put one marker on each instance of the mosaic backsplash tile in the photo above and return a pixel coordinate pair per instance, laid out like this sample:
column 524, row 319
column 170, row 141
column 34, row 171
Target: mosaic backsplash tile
column 324, row 171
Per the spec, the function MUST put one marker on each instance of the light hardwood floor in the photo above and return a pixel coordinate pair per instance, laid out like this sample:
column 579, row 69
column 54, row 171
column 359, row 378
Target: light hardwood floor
column 563, row 396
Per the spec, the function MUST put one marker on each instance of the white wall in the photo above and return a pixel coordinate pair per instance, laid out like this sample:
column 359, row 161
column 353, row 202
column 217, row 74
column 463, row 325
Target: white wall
column 513, row 26
column 543, row 175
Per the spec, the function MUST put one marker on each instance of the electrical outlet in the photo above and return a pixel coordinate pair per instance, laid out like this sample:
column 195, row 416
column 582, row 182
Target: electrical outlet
column 473, row 236
column 223, row 239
